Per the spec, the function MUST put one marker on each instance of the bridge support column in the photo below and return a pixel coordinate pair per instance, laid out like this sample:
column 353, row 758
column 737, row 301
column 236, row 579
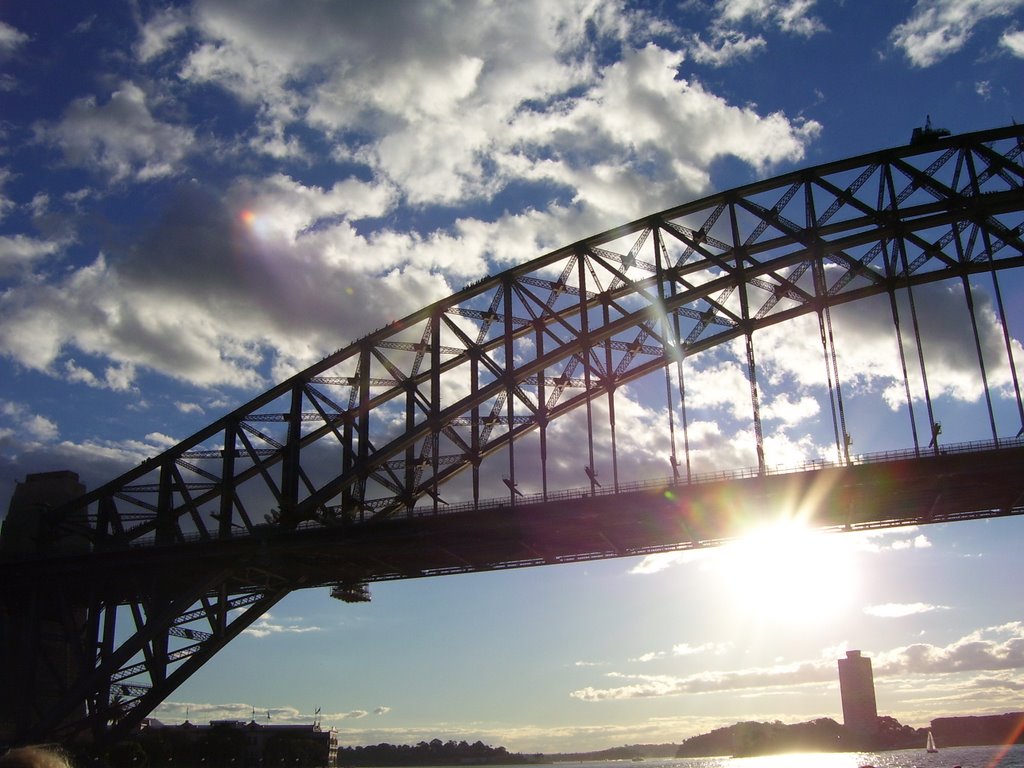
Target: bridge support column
column 39, row 659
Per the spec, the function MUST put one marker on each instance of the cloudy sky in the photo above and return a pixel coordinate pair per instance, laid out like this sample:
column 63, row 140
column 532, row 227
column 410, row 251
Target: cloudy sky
column 197, row 199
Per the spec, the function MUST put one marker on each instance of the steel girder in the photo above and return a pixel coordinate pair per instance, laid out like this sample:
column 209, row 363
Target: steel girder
column 381, row 427
column 467, row 375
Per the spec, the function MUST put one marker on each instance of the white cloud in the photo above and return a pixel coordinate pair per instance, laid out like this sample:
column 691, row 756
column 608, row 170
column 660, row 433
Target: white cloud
column 18, row 253
column 161, row 440
column 894, row 540
column 11, row 39
column 33, row 425
column 445, row 120
column 280, row 263
column 355, row 714
column 1013, row 41
column 900, row 610
column 790, row 411
column 795, row 18
column 41, row 427
column 648, row 686
column 644, row 658
column 397, row 75
column 685, row 649
column 939, row 28
column 725, row 47
column 121, row 138
column 118, row 377
column 88, row 311
column 659, row 561
column 640, row 115
column 158, row 33
column 723, row 385
column 989, row 649
column 918, row 542
column 266, row 626
column 280, row 207
column 461, row 105
column 456, row 95
column 791, row 16
column 6, row 204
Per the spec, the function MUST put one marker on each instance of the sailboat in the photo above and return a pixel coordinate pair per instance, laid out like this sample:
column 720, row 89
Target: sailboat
column 930, row 746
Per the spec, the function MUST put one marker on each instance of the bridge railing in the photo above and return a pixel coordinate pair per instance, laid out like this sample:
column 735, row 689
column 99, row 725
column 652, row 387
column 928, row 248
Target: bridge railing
column 662, row 484
column 702, row 478
column 974, row 446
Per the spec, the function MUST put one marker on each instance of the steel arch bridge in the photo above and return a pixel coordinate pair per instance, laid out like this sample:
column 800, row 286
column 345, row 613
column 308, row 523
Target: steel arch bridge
column 378, row 461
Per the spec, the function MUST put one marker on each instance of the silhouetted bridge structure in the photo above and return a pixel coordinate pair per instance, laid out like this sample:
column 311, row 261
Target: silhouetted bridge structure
column 385, row 459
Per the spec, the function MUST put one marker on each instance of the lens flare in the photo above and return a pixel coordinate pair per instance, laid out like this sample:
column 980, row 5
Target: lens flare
column 259, row 225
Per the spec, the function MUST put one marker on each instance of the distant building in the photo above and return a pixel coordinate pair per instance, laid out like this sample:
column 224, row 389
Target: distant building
column 248, row 745
column 857, row 689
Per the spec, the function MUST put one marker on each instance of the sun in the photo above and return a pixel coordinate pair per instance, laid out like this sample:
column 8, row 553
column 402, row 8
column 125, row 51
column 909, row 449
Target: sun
column 257, row 224
column 789, row 574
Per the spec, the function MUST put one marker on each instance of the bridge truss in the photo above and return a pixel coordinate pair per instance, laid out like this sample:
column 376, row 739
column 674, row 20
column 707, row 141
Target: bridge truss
column 183, row 552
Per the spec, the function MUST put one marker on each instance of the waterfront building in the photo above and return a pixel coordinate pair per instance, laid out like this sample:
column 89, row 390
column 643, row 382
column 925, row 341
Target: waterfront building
column 248, row 745
column 857, row 689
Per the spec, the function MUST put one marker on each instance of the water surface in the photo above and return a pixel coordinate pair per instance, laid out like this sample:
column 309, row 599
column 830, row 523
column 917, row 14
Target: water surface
column 965, row 757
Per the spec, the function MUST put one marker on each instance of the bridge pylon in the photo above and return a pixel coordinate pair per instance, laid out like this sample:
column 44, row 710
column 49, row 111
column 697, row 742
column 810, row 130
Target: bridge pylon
column 43, row 642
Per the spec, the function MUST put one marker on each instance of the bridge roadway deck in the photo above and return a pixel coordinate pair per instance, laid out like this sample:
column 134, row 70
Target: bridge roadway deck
column 949, row 486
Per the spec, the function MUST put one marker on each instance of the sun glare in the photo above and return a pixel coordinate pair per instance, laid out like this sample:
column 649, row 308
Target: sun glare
column 788, row 573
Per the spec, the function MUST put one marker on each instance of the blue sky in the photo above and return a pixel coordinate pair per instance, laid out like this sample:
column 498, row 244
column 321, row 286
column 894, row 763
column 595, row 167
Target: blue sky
column 197, row 199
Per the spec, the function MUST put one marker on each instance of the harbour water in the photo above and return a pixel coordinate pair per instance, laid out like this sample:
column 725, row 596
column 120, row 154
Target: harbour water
column 950, row 757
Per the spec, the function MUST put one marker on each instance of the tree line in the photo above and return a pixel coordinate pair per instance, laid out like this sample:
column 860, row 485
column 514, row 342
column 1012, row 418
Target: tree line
column 434, row 752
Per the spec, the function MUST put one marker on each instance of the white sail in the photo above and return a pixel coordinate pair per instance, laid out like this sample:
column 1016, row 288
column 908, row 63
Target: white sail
column 930, row 747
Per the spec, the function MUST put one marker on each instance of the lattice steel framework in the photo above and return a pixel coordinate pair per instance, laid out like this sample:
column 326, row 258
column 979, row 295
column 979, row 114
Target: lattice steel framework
column 379, row 429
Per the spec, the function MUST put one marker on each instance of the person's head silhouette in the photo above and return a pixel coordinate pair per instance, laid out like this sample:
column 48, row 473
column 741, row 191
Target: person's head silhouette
column 34, row 757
